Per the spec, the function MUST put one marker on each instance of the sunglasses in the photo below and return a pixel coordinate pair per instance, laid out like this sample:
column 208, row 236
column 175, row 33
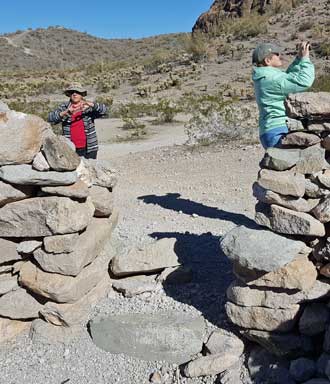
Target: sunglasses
column 70, row 93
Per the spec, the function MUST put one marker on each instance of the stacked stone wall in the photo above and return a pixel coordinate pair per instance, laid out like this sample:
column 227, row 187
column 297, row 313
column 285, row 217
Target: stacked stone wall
column 280, row 299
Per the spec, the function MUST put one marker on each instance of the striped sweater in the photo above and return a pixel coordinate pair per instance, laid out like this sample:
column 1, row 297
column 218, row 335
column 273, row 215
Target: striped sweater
column 88, row 116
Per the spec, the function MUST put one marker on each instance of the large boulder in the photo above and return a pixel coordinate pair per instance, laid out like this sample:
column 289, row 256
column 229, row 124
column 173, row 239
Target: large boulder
column 251, row 253
column 172, row 337
column 59, row 155
column 24, row 174
column 284, row 182
column 87, row 248
column 152, row 258
column 21, row 137
column 44, row 216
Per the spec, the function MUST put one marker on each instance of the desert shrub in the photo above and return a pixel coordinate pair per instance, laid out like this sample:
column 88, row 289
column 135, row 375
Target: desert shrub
column 133, row 110
column 166, row 111
column 234, row 122
column 107, row 100
column 196, row 45
column 131, row 123
column 306, row 25
column 323, row 50
column 204, row 104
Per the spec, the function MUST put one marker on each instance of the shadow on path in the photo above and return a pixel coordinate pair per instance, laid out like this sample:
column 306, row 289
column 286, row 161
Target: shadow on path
column 212, row 273
column 174, row 202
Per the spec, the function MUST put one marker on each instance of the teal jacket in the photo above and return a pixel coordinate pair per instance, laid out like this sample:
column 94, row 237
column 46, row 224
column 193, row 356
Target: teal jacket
column 272, row 86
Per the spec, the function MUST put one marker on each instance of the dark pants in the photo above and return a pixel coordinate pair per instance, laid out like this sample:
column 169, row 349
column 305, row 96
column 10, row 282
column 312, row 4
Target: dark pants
column 82, row 152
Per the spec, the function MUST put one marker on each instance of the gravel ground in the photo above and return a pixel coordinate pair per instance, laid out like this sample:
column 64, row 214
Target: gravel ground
column 193, row 196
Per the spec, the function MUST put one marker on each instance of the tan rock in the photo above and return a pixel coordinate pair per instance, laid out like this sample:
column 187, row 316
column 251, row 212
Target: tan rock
column 300, row 274
column 40, row 163
column 153, row 258
column 44, row 216
column 9, row 329
column 311, row 160
column 8, row 283
column 42, row 332
column 68, row 315
column 78, row 190
column 102, row 199
column 18, row 304
column 325, row 270
column 8, row 252
column 61, row 243
column 264, row 319
column 324, row 178
column 300, row 139
column 135, row 285
column 285, row 183
column 21, row 137
column 64, row 289
column 88, row 247
column 322, row 210
column 221, row 342
column 308, row 104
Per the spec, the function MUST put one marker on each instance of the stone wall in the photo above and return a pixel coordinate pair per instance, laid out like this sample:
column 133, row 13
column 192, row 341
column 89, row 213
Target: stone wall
column 280, row 298
column 56, row 219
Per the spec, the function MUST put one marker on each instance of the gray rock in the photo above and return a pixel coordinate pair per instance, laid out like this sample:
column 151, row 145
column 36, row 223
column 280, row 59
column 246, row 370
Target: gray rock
column 60, row 156
column 326, row 142
column 88, row 247
column 102, row 199
column 45, row 333
column 318, row 126
column 3, row 107
column 221, row 342
column 28, row 246
column 40, row 163
column 288, row 345
column 24, row 174
column 101, row 173
column 210, row 365
column 152, row 258
column 302, row 369
column 8, row 283
column 21, row 137
column 280, row 159
column 8, row 251
column 18, row 304
column 322, row 210
column 285, row 182
column 311, row 160
column 314, row 190
column 175, row 275
column 135, row 285
column 300, row 139
column 10, row 193
column 78, row 190
column 9, row 328
column 61, row 243
column 249, row 250
column 314, row 318
column 232, row 375
column 287, row 221
column 44, row 216
column 324, row 178
column 263, row 319
column 245, row 295
column 294, row 125
column 308, row 104
column 269, row 197
column 172, row 337
column 64, row 289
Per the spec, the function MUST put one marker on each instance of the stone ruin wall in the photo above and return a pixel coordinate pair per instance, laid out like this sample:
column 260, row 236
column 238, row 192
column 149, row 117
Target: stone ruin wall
column 280, row 298
column 56, row 220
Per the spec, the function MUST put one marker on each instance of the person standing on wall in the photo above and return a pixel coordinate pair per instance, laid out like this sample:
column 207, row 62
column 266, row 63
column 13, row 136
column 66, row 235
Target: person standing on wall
column 77, row 116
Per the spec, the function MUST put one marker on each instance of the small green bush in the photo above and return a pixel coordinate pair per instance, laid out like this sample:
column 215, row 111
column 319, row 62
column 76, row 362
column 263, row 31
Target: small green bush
column 322, row 83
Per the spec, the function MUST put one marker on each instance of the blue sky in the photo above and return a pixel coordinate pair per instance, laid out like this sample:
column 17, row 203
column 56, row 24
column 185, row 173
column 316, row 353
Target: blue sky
column 104, row 18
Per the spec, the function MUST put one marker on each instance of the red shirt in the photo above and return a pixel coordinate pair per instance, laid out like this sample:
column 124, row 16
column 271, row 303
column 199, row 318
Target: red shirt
column 77, row 130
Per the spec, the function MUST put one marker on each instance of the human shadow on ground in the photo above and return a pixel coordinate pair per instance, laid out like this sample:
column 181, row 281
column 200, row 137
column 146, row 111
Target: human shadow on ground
column 211, row 274
column 174, row 202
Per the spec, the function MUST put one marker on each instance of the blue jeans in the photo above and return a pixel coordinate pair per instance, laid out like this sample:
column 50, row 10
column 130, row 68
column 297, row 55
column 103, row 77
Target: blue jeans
column 273, row 137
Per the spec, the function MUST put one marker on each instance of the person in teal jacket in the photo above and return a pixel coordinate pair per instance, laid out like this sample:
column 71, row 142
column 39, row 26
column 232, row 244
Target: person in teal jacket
column 272, row 85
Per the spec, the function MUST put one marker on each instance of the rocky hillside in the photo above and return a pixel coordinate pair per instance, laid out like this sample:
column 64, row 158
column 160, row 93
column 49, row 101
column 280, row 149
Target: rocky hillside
column 58, row 47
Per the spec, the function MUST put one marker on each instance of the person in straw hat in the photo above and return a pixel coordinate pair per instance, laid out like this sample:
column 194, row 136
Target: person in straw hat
column 77, row 116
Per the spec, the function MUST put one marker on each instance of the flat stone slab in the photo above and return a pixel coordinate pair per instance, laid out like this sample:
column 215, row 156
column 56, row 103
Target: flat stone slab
column 152, row 258
column 285, row 182
column 280, row 159
column 19, row 305
column 269, row 197
column 249, row 249
column 311, row 160
column 10, row 193
column 88, row 247
column 65, row 289
column 313, row 105
column 78, row 190
column 8, row 283
column 288, row 345
column 8, row 252
column 171, row 337
column 21, row 137
column 44, row 216
column 28, row 246
column 263, row 319
column 24, row 174
column 289, row 222
column 300, row 139
column 251, row 296
column 135, row 285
